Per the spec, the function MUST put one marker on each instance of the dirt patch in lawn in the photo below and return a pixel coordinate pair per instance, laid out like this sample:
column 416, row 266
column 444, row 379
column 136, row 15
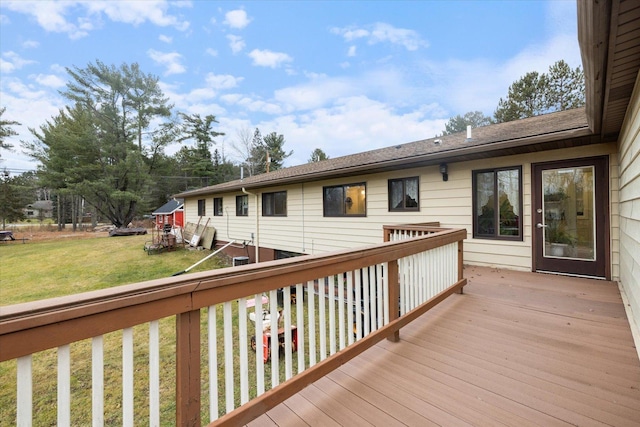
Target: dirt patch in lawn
column 39, row 234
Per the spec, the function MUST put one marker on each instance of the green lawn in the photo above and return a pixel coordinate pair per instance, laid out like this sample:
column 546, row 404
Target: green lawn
column 38, row 270
column 47, row 269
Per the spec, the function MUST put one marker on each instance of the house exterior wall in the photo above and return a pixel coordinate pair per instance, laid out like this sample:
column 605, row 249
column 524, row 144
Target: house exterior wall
column 305, row 230
column 629, row 199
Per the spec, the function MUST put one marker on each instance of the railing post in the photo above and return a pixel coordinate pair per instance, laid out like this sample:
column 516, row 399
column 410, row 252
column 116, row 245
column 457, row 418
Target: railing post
column 188, row 368
column 460, row 265
column 386, row 234
column 394, row 296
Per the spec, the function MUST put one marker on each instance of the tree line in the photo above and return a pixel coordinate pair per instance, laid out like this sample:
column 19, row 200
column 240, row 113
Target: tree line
column 107, row 148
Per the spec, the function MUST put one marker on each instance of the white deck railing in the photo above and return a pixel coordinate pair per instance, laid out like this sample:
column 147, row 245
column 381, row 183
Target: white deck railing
column 332, row 306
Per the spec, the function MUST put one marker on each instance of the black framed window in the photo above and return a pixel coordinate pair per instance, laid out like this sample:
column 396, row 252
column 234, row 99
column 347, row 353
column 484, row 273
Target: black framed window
column 497, row 203
column 345, row 200
column 274, row 204
column 202, row 207
column 404, row 194
column 217, row 206
column 242, row 205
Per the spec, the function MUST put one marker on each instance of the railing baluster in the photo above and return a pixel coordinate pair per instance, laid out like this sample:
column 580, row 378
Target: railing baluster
column 384, row 279
column 288, row 363
column 64, row 385
column 127, row 377
column 358, row 306
column 242, row 343
column 311, row 313
column 322, row 317
column 331, row 299
column 212, row 338
column 366, row 301
column 154, row 373
column 97, row 381
column 228, row 356
column 350, row 308
column 274, row 353
column 380, row 296
column 341, row 288
column 300, row 325
column 25, row 391
column 259, row 337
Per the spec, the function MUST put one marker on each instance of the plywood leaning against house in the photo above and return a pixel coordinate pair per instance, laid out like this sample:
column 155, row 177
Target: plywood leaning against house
column 205, row 235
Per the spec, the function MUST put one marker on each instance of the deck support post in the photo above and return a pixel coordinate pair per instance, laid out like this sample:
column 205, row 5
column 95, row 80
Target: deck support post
column 188, row 369
column 394, row 297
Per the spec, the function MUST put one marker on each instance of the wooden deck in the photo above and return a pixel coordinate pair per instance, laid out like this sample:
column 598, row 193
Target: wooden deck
column 517, row 349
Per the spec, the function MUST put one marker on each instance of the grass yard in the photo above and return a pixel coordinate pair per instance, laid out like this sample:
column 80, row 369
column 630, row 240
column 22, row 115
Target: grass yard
column 50, row 268
column 55, row 267
column 53, row 264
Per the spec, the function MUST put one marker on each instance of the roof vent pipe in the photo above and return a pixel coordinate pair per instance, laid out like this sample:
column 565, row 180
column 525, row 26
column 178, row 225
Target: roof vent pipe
column 468, row 132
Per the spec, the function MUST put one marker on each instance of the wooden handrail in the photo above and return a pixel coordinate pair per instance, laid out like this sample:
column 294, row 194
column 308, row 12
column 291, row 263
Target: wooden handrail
column 36, row 326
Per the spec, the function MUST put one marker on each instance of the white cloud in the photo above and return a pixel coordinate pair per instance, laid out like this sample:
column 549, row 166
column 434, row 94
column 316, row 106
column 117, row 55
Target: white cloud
column 30, row 44
column 236, row 19
column 352, row 51
column 222, row 81
column 352, row 125
column 170, row 60
column 383, row 33
column 211, row 52
column 4, row 20
column 53, row 16
column 314, row 94
column 201, row 94
column 49, row 15
column 30, row 107
column 165, row 39
column 48, row 80
column 11, row 61
column 138, row 12
column 268, row 58
column 236, row 43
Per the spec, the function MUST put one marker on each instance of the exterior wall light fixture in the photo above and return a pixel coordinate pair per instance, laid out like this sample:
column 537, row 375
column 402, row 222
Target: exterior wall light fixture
column 443, row 171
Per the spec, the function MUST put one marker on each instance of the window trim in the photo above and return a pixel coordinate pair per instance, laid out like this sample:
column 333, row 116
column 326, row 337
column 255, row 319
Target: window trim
column 215, row 211
column 404, row 186
column 474, row 190
column 202, row 207
column 239, row 207
column 344, row 215
column 274, row 204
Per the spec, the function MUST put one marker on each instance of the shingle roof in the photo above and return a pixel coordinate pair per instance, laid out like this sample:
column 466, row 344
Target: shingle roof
column 568, row 128
column 168, row 208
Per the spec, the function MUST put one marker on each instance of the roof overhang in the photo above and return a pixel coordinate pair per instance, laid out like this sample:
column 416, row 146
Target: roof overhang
column 609, row 37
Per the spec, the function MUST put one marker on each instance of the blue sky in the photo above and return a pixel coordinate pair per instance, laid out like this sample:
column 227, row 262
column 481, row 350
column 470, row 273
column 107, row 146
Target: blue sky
column 343, row 76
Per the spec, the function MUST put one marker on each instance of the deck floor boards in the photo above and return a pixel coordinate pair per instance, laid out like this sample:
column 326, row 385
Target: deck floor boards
column 516, row 349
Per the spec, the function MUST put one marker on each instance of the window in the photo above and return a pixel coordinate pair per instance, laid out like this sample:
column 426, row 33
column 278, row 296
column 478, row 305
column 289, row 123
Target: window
column 345, row 200
column 202, row 210
column 497, row 203
column 217, row 206
column 404, row 194
column 242, row 205
column 274, row 204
